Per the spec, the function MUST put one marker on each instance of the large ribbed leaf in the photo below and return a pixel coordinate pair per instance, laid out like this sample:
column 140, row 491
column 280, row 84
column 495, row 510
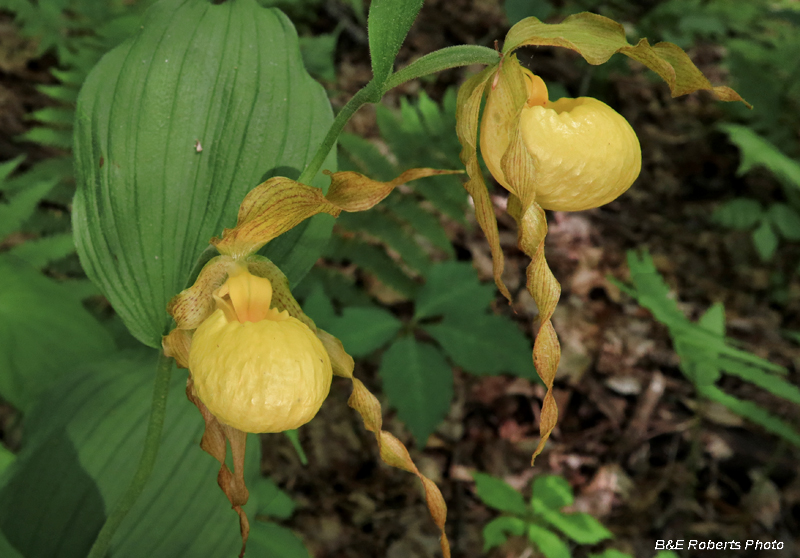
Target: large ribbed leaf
column 44, row 331
column 82, row 446
column 173, row 128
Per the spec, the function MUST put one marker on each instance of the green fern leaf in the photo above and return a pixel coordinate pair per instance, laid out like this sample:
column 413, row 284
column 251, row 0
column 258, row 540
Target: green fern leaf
column 19, row 208
column 372, row 259
column 48, row 136
column 422, row 222
column 378, row 224
column 754, row 413
column 40, row 252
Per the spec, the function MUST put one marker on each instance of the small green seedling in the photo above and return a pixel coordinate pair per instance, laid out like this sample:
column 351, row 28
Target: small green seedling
column 542, row 520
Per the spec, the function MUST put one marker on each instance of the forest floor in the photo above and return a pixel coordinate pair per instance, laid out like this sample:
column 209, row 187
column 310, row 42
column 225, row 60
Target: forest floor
column 642, row 452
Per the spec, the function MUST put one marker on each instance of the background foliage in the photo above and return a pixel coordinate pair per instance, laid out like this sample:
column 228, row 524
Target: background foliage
column 404, row 289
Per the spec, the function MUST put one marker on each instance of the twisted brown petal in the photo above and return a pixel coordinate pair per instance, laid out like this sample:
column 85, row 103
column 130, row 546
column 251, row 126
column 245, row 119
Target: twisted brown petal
column 467, row 114
column 545, row 291
column 214, row 443
column 394, row 453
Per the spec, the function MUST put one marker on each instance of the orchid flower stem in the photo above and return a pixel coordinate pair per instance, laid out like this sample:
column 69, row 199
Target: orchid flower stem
column 146, row 462
column 367, row 94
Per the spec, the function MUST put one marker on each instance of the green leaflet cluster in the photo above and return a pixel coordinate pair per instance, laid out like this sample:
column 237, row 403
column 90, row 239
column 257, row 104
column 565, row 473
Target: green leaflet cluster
column 705, row 353
column 542, row 520
column 778, row 219
column 409, row 224
column 452, row 311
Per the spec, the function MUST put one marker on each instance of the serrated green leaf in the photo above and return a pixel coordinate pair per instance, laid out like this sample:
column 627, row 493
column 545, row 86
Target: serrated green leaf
column 84, row 439
column 786, row 220
column 337, row 286
column 380, row 225
column 226, row 78
column 498, row 494
column 318, row 52
column 652, row 292
column 53, row 115
column 452, row 288
column 44, row 332
column 40, row 252
column 71, row 77
column 319, row 308
column 497, row 530
column 388, row 24
column 372, row 259
column 713, row 319
column 19, row 208
column 6, row 459
column 367, row 158
column 415, row 146
column 432, row 118
column 551, row 492
column 548, row 542
column 419, row 384
column 752, row 412
column 766, row 381
column 758, row 152
column 62, row 93
column 7, row 167
column 580, row 527
column 50, row 137
column 50, row 170
column 422, row 222
column 272, row 501
column 738, row 213
column 765, row 241
column 268, row 540
column 486, row 344
column 364, row 330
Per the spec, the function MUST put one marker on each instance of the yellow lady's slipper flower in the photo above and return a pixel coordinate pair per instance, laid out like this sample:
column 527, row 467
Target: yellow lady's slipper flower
column 257, row 369
column 584, row 153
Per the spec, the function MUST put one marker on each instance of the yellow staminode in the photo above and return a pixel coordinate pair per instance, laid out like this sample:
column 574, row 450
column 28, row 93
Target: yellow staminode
column 257, row 369
column 584, row 153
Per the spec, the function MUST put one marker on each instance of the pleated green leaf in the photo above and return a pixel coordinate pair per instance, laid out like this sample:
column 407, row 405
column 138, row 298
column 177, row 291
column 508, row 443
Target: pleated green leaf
column 44, row 331
column 173, row 128
column 551, row 492
column 496, row 532
column 453, row 288
column 83, row 444
column 498, row 494
column 419, row 384
column 548, row 542
column 487, row 344
column 580, row 527
column 363, row 330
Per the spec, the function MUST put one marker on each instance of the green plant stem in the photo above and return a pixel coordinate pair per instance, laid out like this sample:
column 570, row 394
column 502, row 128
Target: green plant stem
column 367, row 94
column 146, row 463
column 450, row 57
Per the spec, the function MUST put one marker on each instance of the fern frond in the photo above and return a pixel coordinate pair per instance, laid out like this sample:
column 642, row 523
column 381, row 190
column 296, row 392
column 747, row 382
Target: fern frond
column 40, row 252
column 19, row 208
